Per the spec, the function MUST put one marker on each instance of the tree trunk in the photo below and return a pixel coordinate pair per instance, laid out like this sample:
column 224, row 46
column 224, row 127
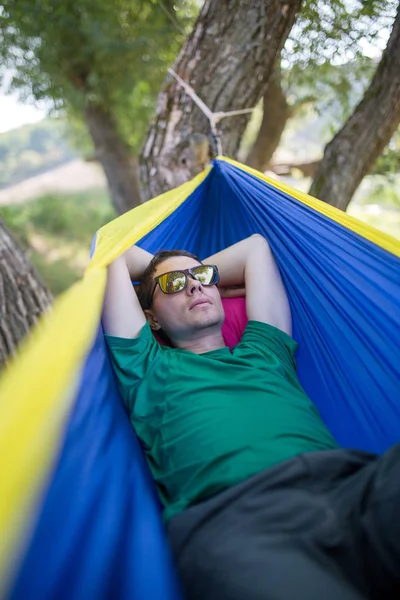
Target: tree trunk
column 276, row 112
column 23, row 297
column 227, row 60
column 120, row 167
column 353, row 151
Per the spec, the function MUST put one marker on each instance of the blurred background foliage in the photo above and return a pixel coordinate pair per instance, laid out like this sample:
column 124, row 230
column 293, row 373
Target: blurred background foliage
column 57, row 232
column 111, row 55
column 33, row 149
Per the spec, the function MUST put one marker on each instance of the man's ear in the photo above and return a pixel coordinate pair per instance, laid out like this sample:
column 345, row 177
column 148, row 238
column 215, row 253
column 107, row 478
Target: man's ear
column 154, row 324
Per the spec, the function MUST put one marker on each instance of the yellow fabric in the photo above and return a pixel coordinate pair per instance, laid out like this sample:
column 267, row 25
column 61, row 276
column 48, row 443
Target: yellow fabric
column 116, row 237
column 36, row 395
column 379, row 238
column 37, row 391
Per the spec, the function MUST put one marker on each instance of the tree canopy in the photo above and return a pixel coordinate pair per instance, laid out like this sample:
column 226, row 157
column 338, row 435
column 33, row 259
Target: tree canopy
column 325, row 66
column 110, row 54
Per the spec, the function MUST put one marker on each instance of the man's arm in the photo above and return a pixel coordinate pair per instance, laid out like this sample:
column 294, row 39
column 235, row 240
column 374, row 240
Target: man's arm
column 251, row 262
column 122, row 314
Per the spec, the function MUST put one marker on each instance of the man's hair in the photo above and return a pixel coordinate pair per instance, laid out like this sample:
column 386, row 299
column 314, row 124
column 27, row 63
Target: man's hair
column 147, row 282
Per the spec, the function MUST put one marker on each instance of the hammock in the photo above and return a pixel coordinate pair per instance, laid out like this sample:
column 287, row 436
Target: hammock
column 79, row 516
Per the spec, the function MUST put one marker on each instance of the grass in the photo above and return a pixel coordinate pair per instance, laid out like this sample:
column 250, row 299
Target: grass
column 57, row 274
column 57, row 231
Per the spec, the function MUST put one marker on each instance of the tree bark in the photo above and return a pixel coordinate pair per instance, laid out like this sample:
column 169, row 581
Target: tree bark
column 227, row 60
column 276, row 112
column 23, row 297
column 120, row 166
column 351, row 154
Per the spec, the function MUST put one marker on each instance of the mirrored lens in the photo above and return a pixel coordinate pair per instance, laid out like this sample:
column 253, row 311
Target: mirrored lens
column 204, row 274
column 172, row 282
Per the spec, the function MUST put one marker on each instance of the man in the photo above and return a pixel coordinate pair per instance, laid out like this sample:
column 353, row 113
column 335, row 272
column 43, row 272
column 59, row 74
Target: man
column 259, row 501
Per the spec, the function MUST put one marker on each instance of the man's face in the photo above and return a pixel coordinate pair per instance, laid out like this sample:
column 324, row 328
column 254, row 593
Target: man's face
column 184, row 314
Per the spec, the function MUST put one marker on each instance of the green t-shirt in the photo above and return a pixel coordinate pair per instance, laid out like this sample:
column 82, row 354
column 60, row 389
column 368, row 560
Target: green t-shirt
column 209, row 421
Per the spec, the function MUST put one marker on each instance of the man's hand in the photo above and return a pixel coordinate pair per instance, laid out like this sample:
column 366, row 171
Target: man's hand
column 252, row 263
column 122, row 314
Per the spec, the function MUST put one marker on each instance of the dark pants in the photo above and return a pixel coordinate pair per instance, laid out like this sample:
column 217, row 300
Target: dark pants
column 320, row 526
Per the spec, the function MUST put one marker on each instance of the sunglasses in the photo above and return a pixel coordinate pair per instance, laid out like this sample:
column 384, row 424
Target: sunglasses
column 176, row 281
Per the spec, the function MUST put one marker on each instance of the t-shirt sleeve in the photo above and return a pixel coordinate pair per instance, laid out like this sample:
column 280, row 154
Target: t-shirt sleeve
column 270, row 342
column 133, row 359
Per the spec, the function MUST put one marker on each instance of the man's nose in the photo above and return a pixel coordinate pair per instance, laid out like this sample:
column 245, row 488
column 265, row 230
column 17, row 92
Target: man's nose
column 194, row 285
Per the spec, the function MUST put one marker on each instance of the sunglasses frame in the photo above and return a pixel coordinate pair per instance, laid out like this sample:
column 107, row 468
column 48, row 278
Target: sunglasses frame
column 186, row 272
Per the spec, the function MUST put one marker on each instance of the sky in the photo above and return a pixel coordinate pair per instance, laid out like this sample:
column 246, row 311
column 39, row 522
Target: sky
column 14, row 113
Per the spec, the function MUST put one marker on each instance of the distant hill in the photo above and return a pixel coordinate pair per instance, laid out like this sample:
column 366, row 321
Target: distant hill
column 72, row 177
column 33, row 149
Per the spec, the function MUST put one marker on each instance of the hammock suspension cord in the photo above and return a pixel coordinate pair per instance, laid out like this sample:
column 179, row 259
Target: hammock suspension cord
column 213, row 117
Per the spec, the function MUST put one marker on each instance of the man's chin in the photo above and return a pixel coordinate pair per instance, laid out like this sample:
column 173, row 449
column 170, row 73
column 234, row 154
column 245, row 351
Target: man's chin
column 208, row 322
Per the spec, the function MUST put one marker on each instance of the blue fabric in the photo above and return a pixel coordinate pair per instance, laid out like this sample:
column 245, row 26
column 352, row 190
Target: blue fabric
column 93, row 245
column 344, row 293
column 99, row 533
